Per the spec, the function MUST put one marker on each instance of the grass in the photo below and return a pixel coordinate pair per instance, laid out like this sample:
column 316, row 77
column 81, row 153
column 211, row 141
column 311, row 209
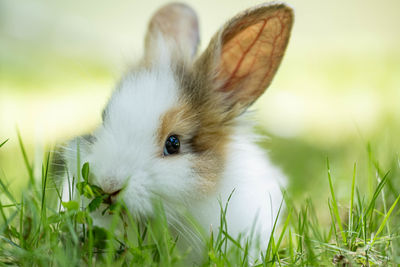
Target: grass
column 37, row 229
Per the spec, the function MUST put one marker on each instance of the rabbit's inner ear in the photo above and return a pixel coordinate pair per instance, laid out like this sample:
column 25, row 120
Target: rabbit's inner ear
column 174, row 28
column 246, row 53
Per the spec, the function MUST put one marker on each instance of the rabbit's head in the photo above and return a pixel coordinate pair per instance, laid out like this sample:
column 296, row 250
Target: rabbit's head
column 167, row 127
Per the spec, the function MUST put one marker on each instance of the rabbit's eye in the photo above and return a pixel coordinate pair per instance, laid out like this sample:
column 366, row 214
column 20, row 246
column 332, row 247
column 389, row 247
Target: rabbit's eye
column 172, row 145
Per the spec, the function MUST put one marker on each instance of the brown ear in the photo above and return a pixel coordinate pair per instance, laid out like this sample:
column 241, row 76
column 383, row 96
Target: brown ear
column 245, row 54
column 174, row 29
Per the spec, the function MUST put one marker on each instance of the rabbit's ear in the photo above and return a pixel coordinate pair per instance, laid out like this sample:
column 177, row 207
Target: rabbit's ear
column 173, row 29
column 244, row 55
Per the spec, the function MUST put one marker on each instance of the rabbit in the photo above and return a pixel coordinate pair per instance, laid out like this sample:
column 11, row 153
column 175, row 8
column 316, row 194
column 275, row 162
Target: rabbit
column 177, row 126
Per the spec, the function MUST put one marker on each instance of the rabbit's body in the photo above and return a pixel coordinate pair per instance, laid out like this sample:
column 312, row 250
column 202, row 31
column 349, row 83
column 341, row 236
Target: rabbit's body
column 176, row 128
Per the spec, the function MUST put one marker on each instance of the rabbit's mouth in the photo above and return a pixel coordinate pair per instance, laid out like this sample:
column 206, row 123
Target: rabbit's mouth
column 112, row 198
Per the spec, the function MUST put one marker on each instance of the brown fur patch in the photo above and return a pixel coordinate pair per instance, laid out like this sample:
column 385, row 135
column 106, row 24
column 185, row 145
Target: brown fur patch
column 178, row 121
column 201, row 123
column 201, row 137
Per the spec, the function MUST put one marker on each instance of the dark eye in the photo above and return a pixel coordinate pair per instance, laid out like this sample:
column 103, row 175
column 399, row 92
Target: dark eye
column 172, row 145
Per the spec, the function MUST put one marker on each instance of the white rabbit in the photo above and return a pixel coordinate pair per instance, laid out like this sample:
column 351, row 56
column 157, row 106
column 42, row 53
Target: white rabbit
column 176, row 127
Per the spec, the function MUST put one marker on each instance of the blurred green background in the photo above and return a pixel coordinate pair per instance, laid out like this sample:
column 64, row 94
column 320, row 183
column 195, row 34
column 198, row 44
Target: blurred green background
column 337, row 89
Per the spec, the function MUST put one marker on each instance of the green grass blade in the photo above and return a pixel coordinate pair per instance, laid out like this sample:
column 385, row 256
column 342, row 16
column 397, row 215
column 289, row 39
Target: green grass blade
column 378, row 189
column 45, row 172
column 21, row 224
column 3, row 214
column 9, row 241
column 333, row 225
column 291, row 246
column 26, row 160
column 7, row 192
column 335, row 205
column 271, row 237
column 2, row 144
column 351, row 214
column 230, row 238
column 285, row 226
column 385, row 220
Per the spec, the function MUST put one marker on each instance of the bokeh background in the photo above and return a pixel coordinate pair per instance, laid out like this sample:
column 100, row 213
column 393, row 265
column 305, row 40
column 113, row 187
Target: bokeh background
column 337, row 90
